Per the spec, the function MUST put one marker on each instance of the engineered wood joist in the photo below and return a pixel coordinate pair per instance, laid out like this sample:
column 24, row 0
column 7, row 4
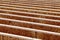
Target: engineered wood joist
column 6, row 36
column 30, row 18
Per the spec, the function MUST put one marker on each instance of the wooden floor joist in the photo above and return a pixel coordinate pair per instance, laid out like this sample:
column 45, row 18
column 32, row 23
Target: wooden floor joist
column 29, row 20
column 6, row 36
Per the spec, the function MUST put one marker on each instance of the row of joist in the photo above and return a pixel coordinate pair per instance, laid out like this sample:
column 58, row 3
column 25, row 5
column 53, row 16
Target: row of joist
column 34, row 19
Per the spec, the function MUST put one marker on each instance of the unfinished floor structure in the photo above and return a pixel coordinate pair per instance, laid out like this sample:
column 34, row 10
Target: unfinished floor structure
column 29, row 20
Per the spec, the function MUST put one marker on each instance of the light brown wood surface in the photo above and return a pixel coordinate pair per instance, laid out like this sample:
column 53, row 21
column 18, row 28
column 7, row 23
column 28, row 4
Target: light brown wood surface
column 31, row 18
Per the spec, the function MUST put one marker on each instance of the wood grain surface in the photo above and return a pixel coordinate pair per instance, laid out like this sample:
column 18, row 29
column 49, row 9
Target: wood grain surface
column 6, row 36
column 30, row 18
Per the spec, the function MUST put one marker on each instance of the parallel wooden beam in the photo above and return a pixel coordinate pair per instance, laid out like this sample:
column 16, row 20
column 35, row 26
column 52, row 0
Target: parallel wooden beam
column 39, row 19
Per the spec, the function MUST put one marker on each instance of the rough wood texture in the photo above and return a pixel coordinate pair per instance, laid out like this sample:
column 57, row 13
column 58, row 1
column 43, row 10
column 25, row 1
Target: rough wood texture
column 9, row 38
column 31, row 18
